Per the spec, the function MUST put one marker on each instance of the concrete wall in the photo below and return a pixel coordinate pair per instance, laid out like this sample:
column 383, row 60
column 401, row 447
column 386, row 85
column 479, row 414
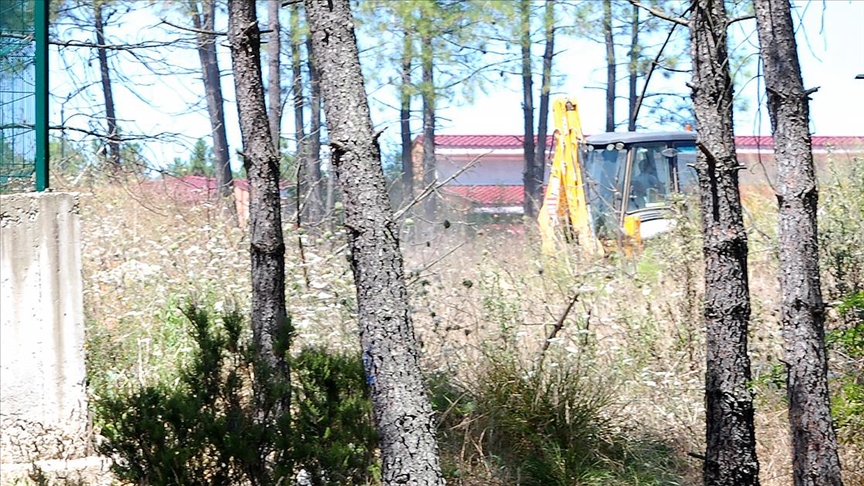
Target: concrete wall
column 43, row 402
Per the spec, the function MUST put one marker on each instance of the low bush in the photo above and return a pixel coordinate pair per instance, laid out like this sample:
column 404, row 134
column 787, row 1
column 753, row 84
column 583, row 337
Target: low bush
column 841, row 256
column 223, row 420
column 547, row 425
column 847, row 343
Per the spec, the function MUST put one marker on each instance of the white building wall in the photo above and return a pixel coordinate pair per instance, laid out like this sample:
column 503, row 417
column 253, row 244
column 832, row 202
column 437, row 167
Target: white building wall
column 488, row 170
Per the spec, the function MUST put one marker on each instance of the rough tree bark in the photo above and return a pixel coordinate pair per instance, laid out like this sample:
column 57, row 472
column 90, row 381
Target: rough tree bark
column 633, row 68
column 814, row 442
column 529, row 205
column 315, row 202
column 730, row 457
column 204, row 21
column 430, row 204
column 270, row 325
column 405, row 116
column 297, row 84
column 274, row 80
column 610, row 65
column 403, row 414
column 113, row 151
column 543, row 113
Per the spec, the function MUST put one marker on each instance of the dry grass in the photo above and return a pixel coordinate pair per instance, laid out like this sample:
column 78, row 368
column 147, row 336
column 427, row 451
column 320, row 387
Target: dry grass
column 635, row 322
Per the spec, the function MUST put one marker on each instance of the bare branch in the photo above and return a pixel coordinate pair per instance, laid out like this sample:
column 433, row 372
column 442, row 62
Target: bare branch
column 659, row 13
column 193, row 29
column 654, row 64
column 673, row 70
column 476, row 71
column 560, row 323
column 431, row 264
column 739, row 19
column 696, row 455
column 114, row 47
column 434, row 186
column 118, row 137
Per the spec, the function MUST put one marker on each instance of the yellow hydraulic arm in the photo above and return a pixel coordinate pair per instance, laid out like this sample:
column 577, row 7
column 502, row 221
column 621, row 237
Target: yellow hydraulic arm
column 565, row 208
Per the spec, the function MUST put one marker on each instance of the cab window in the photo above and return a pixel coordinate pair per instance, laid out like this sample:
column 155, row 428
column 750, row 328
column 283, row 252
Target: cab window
column 650, row 178
column 688, row 182
column 604, row 168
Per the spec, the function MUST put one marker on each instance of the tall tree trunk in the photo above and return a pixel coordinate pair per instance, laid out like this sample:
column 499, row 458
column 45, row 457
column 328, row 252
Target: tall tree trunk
column 405, row 116
column 403, row 414
column 545, row 89
column 529, row 204
column 330, row 197
column 634, row 68
column 430, row 205
column 610, row 65
column 113, row 152
column 297, row 88
column 814, row 442
column 204, row 21
column 274, row 81
column 730, row 457
column 271, row 328
column 313, row 154
column 637, row 104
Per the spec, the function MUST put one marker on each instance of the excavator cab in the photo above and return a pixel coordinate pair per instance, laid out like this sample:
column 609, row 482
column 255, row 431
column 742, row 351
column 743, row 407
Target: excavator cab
column 611, row 190
column 629, row 178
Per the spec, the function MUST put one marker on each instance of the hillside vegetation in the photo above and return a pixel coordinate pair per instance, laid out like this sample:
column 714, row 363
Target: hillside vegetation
column 543, row 369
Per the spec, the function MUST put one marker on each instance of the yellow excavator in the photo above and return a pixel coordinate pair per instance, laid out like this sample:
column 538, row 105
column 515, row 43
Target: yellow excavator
column 611, row 190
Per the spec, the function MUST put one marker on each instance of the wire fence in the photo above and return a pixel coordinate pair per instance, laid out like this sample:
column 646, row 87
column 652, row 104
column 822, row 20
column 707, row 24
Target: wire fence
column 23, row 95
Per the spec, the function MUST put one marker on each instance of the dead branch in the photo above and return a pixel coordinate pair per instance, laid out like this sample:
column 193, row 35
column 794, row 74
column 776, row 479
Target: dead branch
column 193, row 29
column 659, row 13
column 434, row 186
column 559, row 324
column 739, row 19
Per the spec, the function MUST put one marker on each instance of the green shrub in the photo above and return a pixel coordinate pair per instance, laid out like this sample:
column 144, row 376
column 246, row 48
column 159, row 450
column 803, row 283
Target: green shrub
column 841, row 230
column 224, row 421
column 544, row 423
column 542, row 427
column 848, row 345
column 841, row 244
column 551, row 424
column 335, row 440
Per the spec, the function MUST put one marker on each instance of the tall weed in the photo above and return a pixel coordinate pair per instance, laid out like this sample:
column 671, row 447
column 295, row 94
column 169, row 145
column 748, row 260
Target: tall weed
column 841, row 244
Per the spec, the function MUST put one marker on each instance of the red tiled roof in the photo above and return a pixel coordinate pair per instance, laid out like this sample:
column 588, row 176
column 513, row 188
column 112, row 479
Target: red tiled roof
column 515, row 141
column 488, row 195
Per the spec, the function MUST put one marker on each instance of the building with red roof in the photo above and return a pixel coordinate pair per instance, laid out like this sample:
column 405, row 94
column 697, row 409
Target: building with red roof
column 192, row 189
column 494, row 181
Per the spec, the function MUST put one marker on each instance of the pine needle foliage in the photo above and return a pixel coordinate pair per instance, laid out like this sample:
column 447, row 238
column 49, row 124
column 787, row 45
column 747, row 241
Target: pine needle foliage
column 221, row 421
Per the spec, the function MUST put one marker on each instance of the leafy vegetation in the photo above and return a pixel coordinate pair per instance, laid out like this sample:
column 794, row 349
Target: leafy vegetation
column 483, row 314
column 848, row 345
column 842, row 259
column 633, row 338
column 220, row 422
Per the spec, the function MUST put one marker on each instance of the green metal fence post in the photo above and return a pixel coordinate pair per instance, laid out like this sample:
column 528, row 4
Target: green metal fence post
column 41, row 30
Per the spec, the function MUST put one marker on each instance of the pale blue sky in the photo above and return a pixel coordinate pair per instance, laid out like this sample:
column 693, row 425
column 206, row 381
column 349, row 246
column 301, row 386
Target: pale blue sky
column 835, row 36
column 831, row 55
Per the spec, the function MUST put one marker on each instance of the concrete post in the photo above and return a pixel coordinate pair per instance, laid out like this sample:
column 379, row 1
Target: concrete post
column 43, row 401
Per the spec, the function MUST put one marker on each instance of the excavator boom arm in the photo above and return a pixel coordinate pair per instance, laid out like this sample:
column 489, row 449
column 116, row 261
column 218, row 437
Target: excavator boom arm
column 565, row 208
